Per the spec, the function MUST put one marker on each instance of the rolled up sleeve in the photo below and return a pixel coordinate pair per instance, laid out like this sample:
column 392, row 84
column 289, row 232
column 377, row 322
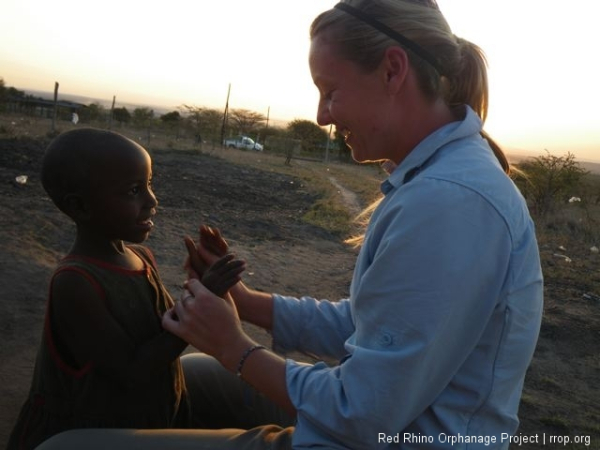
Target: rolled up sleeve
column 318, row 327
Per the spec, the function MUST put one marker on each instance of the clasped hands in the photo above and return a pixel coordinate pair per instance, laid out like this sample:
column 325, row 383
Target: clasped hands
column 207, row 317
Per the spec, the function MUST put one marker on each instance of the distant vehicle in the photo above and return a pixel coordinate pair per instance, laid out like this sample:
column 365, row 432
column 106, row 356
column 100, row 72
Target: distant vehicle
column 243, row 142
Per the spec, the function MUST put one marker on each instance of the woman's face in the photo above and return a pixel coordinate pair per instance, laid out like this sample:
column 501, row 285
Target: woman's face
column 353, row 100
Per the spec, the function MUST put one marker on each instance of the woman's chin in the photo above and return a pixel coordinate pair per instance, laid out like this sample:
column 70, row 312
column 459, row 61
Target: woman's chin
column 357, row 155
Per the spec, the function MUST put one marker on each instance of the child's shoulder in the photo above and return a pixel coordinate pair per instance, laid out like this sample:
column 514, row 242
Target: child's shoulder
column 143, row 252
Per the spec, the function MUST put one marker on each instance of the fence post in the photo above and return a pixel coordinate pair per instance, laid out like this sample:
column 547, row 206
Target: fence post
column 55, row 107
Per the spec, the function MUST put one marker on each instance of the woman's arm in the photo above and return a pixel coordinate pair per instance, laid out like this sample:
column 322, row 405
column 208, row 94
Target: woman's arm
column 253, row 306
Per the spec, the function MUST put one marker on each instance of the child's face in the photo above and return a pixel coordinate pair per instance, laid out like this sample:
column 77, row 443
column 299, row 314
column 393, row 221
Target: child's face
column 121, row 201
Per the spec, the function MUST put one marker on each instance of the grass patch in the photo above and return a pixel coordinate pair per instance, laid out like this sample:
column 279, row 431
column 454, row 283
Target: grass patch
column 330, row 215
column 556, row 422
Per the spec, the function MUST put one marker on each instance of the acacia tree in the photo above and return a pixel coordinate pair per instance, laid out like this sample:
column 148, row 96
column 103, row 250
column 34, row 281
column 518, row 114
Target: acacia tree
column 142, row 117
column 548, row 180
column 246, row 121
column 92, row 112
column 310, row 134
column 121, row 115
column 205, row 123
column 171, row 121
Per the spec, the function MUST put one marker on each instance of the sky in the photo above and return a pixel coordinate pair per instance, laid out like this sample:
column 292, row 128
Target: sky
column 542, row 56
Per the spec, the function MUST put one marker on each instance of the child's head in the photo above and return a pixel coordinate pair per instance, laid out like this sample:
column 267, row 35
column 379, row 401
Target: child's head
column 101, row 180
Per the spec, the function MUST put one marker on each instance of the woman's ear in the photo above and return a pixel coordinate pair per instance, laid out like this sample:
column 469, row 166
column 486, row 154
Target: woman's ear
column 395, row 65
column 76, row 207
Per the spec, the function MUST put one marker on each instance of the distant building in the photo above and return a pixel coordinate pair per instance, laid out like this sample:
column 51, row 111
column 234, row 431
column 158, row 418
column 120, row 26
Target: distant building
column 36, row 106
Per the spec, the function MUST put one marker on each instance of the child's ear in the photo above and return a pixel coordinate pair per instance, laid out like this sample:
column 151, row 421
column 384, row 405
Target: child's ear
column 76, row 207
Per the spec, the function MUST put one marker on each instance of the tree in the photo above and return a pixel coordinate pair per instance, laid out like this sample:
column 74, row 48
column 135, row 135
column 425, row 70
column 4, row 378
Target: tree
column 3, row 93
column 344, row 153
column 313, row 137
column 205, row 123
column 93, row 111
column 246, row 121
column 172, row 117
column 171, row 121
column 548, row 180
column 142, row 117
column 122, row 115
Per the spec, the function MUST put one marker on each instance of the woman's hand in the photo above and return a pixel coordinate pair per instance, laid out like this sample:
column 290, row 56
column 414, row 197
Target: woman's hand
column 212, row 325
column 209, row 323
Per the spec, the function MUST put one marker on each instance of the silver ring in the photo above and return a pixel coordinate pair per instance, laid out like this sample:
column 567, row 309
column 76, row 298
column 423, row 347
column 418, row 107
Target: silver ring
column 186, row 299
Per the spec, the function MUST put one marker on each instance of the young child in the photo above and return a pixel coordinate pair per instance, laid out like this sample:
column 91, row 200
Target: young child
column 105, row 360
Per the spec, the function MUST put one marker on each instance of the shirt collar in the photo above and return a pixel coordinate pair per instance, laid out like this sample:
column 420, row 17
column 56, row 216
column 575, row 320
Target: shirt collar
column 418, row 157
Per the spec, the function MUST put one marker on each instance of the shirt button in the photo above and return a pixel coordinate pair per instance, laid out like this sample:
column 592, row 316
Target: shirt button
column 386, row 339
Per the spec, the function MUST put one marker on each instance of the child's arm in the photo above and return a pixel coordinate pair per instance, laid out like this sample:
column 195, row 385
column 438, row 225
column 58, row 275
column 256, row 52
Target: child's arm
column 85, row 332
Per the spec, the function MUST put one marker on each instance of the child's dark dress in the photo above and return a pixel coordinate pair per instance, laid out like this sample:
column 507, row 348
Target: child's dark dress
column 64, row 397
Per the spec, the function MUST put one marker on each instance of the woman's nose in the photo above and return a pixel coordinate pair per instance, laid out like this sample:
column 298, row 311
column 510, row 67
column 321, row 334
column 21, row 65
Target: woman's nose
column 323, row 115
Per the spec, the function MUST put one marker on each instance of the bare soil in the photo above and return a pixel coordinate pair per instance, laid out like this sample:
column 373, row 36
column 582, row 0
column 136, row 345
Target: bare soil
column 260, row 214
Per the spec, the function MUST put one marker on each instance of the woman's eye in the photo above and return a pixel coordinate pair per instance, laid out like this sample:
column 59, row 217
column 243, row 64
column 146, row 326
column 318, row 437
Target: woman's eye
column 134, row 190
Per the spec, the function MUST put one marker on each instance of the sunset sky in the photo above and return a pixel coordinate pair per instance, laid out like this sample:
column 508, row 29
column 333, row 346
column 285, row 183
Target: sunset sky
column 543, row 63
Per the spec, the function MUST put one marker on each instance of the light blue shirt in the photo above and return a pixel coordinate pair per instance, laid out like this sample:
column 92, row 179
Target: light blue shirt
column 443, row 316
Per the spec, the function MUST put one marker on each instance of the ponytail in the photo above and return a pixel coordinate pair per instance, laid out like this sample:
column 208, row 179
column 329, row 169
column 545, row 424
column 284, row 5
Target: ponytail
column 468, row 84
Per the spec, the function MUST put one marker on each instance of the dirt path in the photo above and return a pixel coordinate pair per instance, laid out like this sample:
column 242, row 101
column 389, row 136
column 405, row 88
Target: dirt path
column 350, row 199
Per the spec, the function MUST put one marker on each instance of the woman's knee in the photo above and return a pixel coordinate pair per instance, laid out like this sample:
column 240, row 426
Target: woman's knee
column 205, row 376
column 90, row 439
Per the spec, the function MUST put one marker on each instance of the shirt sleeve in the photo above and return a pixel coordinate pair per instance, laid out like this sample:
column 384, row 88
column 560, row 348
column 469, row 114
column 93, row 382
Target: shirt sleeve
column 318, row 327
column 436, row 262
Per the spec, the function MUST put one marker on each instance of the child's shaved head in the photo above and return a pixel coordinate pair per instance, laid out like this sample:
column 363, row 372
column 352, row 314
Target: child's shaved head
column 71, row 159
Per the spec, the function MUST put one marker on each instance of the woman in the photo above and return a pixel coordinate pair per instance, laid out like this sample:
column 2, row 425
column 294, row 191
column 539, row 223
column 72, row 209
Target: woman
column 446, row 299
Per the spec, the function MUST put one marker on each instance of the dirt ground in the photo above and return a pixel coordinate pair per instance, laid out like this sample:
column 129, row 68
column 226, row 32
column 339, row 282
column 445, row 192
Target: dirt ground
column 259, row 212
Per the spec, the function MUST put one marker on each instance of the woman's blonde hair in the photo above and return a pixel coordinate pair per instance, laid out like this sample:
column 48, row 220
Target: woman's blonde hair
column 458, row 73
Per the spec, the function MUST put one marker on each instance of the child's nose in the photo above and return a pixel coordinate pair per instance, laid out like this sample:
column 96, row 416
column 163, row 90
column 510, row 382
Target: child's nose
column 152, row 200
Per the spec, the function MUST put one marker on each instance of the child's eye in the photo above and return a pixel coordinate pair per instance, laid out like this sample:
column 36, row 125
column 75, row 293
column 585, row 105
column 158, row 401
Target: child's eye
column 134, row 190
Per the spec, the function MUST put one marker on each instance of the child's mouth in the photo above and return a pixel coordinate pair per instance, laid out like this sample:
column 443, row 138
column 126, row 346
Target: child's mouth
column 146, row 224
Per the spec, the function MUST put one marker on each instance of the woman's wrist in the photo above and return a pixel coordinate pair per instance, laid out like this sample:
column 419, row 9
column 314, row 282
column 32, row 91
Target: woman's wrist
column 239, row 292
column 247, row 354
column 234, row 353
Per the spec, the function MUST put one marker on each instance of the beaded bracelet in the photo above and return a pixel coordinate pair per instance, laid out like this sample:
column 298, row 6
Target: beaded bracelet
column 245, row 356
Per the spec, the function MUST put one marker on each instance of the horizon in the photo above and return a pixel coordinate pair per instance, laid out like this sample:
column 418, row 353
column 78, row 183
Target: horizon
column 542, row 91
column 163, row 109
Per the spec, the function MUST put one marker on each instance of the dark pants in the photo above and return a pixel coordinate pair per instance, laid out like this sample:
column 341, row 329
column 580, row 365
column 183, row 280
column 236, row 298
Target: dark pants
column 227, row 414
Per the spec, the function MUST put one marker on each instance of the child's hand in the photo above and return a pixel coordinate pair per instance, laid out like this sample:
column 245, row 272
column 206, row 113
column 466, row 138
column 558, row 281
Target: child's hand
column 211, row 246
column 211, row 240
column 223, row 274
